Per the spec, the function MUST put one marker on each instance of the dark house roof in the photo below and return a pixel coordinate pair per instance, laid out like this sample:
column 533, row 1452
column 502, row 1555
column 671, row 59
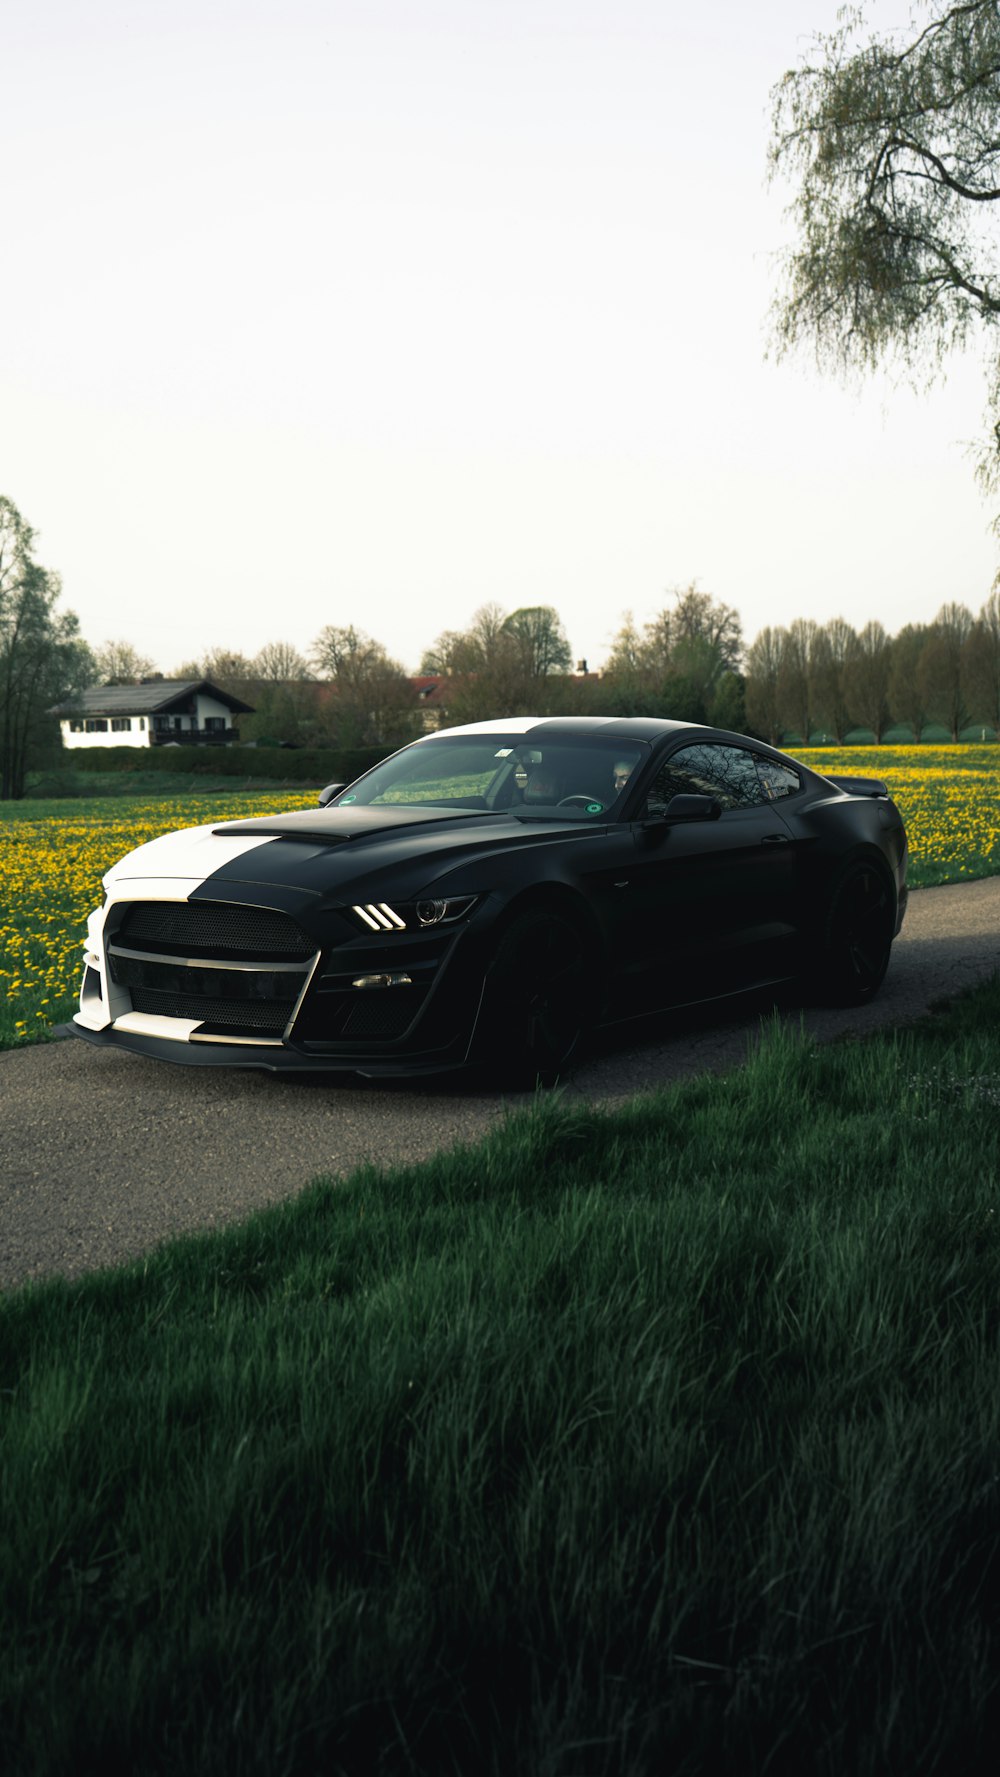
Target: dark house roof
column 155, row 697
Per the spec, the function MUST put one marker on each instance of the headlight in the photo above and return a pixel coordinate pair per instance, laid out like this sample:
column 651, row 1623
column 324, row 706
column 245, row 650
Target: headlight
column 379, row 916
column 436, row 913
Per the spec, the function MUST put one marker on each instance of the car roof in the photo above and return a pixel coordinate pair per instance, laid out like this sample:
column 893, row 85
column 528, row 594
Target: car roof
column 618, row 728
column 648, row 728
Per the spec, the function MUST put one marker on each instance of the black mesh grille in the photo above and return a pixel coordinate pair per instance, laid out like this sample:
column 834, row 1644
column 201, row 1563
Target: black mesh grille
column 263, row 1018
column 381, row 1015
column 250, row 932
column 254, row 1002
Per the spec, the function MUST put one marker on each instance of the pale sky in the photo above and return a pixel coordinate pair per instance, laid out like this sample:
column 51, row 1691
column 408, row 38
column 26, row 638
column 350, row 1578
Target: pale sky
column 367, row 311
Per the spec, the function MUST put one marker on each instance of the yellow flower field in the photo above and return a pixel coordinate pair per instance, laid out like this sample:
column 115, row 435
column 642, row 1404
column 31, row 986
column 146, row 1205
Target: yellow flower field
column 53, row 855
column 949, row 797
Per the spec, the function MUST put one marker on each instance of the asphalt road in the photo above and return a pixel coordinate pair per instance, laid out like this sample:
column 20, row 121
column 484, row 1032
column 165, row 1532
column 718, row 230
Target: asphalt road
column 104, row 1155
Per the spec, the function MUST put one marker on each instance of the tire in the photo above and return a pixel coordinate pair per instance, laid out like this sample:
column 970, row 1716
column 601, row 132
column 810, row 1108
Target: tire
column 852, row 954
column 535, row 1004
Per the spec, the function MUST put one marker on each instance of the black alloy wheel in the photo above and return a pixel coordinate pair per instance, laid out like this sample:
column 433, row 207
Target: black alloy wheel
column 538, row 1000
column 857, row 938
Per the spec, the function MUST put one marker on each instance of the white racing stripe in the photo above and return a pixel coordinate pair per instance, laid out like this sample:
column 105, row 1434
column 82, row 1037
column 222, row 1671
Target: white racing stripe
column 194, row 854
column 151, row 888
column 505, row 725
column 496, row 725
column 171, row 868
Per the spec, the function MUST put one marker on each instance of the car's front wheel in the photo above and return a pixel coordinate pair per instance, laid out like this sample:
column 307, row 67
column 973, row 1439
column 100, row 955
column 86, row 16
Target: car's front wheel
column 537, row 1001
column 853, row 948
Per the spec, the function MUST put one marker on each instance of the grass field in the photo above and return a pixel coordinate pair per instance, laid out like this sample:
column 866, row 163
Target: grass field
column 53, row 855
column 661, row 1441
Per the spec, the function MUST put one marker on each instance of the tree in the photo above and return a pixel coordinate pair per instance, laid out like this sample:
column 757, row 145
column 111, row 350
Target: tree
column 728, row 708
column 831, row 655
column 490, row 666
column 459, row 651
column 981, row 664
column 677, row 665
column 707, row 631
column 284, row 698
column 285, row 713
column 118, row 663
column 763, row 673
column 540, row 639
column 795, row 691
column 42, row 658
column 895, row 149
column 278, row 662
column 226, row 667
column 868, row 670
column 625, row 675
column 906, row 694
column 373, row 702
column 940, row 678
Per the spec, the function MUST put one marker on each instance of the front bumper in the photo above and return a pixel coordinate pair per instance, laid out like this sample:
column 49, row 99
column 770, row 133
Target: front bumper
column 165, row 992
column 280, row 1058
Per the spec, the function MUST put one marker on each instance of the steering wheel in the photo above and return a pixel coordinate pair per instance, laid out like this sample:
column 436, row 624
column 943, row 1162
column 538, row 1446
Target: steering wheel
column 571, row 801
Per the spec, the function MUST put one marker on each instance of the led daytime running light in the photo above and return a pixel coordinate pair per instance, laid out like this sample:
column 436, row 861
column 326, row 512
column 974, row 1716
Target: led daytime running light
column 380, row 917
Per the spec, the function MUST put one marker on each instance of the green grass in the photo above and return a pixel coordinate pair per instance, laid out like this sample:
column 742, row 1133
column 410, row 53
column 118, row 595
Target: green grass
column 665, row 1440
column 67, row 785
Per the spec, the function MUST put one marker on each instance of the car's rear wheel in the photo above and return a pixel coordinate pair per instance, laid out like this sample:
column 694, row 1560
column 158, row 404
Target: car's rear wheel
column 852, row 953
column 537, row 1000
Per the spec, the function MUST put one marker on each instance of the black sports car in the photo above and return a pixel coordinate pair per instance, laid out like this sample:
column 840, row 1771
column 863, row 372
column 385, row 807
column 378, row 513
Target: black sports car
column 488, row 893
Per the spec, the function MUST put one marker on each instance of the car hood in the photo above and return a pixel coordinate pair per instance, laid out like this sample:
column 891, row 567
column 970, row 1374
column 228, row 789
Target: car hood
column 322, row 852
column 336, row 826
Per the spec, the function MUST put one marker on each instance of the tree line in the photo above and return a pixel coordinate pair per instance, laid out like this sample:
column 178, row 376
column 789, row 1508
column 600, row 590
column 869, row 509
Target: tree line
column 829, row 678
column 689, row 662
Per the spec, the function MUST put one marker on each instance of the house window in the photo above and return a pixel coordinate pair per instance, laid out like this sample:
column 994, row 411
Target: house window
column 121, row 724
column 77, row 728
column 215, row 724
column 98, row 725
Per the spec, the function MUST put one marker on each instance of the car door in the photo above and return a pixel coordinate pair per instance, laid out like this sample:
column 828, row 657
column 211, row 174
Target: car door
column 711, row 903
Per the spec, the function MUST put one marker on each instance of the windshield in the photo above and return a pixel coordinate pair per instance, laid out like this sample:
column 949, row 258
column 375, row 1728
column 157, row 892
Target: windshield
column 575, row 777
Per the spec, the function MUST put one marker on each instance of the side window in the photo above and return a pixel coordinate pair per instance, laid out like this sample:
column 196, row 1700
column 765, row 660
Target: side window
column 727, row 773
column 777, row 779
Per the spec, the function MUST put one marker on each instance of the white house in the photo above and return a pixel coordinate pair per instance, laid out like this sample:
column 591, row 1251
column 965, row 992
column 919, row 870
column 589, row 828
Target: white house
column 189, row 712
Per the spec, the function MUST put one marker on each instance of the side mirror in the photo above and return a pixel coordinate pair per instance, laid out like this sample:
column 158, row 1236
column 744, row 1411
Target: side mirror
column 692, row 808
column 328, row 793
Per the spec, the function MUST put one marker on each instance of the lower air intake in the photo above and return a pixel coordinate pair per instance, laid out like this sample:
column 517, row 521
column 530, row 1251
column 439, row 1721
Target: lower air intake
column 262, row 1017
column 379, row 1016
